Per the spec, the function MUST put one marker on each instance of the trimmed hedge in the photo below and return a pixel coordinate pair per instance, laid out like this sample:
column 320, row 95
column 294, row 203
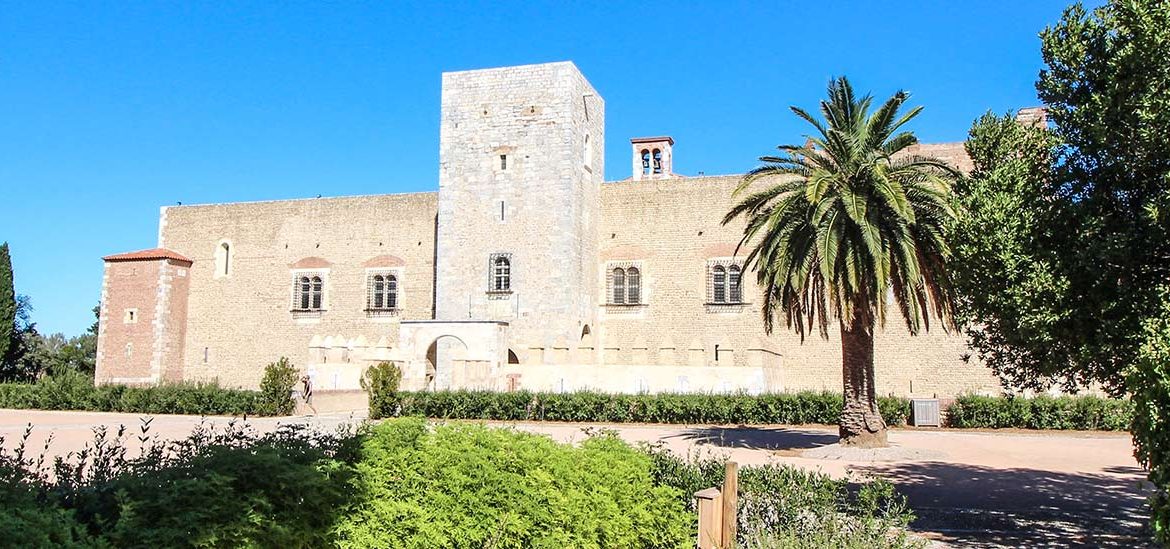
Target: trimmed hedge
column 589, row 406
column 75, row 391
column 1086, row 413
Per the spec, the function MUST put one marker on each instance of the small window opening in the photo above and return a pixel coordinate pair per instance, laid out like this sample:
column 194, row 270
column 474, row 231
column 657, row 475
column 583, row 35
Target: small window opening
column 206, row 351
column 503, row 161
column 588, row 153
column 501, row 210
column 223, row 257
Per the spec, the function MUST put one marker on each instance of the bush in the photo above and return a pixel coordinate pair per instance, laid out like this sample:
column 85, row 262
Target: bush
column 380, row 381
column 784, row 506
column 72, row 390
column 276, row 388
column 234, row 488
column 1042, row 412
column 471, row 486
column 779, row 408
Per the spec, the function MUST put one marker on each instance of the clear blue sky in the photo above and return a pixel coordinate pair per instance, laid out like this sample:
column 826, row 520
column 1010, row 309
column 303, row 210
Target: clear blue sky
column 109, row 110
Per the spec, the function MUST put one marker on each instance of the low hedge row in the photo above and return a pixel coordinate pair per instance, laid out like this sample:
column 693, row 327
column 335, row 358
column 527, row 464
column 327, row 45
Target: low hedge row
column 779, row 408
column 1085, row 413
column 77, row 392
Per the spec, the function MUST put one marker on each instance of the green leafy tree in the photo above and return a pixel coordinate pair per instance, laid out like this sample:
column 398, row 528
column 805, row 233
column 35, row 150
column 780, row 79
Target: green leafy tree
column 1094, row 239
column 1107, row 88
column 840, row 223
column 1009, row 294
column 8, row 333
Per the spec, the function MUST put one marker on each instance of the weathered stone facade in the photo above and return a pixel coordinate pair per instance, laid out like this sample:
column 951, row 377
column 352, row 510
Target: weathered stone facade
column 619, row 286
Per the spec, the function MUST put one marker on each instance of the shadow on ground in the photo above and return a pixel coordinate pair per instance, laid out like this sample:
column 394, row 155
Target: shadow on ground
column 754, row 438
column 975, row 506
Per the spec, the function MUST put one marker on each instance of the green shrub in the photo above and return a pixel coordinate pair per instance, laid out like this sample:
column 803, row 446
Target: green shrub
column 1042, row 412
column 276, row 388
column 778, row 408
column 72, row 390
column 472, row 486
column 381, row 381
column 784, row 506
column 230, row 488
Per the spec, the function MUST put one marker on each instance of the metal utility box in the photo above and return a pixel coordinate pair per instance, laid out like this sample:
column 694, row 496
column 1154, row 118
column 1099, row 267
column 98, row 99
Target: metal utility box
column 924, row 412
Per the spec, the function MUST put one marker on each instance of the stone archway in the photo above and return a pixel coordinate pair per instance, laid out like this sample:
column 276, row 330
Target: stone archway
column 445, row 360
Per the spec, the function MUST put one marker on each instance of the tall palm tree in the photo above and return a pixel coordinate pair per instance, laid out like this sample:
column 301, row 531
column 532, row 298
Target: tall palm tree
column 844, row 225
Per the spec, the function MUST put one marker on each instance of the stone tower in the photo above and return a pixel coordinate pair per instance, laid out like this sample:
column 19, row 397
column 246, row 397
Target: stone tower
column 521, row 154
column 143, row 317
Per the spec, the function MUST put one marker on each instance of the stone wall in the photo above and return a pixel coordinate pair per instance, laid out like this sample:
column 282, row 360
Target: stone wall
column 238, row 323
column 514, row 180
column 672, row 229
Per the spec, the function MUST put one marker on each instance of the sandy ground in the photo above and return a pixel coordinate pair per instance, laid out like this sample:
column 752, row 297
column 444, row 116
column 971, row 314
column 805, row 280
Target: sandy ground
column 969, row 488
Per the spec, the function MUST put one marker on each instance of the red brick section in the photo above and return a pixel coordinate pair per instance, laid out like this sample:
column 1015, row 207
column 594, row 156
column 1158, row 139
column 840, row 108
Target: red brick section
column 148, row 348
column 153, row 253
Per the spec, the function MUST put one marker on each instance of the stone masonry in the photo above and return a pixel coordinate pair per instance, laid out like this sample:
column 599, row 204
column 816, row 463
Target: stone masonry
column 520, row 177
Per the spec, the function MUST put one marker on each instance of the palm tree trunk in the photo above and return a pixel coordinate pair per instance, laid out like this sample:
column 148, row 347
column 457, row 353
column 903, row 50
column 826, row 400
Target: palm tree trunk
column 861, row 421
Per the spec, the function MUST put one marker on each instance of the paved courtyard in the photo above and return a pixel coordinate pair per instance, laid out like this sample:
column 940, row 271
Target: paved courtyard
column 969, row 488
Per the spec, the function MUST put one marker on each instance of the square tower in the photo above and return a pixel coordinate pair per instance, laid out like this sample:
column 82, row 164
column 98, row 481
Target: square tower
column 520, row 168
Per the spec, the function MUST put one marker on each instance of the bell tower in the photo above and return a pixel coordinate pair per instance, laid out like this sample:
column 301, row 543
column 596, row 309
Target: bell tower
column 653, row 157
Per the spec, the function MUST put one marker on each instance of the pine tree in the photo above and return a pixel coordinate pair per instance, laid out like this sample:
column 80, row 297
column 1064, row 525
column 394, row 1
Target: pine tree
column 7, row 307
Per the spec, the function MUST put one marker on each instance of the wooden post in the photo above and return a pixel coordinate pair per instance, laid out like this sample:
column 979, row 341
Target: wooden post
column 730, row 504
column 710, row 518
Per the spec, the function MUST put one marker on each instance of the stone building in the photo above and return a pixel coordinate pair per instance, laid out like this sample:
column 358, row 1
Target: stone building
column 524, row 270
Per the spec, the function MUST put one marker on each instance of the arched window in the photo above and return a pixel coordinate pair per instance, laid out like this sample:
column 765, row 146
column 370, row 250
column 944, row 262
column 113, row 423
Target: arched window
column 318, row 291
column 733, row 283
column 619, row 286
column 718, row 284
column 633, row 286
column 378, row 295
column 223, row 258
column 502, row 275
column 391, row 292
column 657, row 161
column 304, row 292
column 308, row 292
column 645, row 162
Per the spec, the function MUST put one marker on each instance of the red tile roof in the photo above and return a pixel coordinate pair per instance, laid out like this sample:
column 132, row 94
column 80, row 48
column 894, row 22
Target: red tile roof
column 147, row 255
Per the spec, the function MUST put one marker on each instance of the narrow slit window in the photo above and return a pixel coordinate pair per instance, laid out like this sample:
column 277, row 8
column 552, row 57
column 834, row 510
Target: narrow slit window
column 503, row 161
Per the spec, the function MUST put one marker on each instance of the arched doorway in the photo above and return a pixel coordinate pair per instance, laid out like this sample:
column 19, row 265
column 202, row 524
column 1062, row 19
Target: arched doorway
column 445, row 361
